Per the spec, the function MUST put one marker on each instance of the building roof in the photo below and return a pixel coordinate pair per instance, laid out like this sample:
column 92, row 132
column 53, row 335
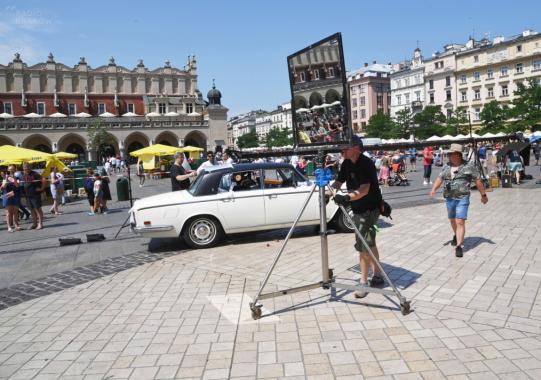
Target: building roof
column 373, row 68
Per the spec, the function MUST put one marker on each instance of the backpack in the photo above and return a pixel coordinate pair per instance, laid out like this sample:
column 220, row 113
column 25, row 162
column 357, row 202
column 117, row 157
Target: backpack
column 89, row 184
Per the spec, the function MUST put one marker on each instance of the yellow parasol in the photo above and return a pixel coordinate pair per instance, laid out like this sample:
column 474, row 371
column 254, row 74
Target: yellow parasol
column 10, row 154
column 65, row 155
column 156, row 150
column 191, row 150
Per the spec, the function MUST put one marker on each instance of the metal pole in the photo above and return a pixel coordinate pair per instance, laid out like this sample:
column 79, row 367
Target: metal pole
column 129, row 185
column 277, row 257
column 323, row 234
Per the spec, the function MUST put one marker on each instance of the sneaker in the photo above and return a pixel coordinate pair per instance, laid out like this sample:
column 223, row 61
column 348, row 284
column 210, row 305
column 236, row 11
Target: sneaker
column 431, row 182
column 453, row 242
column 425, row 183
column 90, row 214
column 361, row 293
column 376, row 281
column 458, row 251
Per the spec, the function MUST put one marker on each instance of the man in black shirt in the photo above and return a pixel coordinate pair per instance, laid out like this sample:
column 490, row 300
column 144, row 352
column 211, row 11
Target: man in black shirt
column 360, row 175
column 180, row 179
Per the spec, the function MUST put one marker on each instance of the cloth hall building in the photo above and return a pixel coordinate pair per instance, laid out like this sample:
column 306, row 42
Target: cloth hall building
column 50, row 106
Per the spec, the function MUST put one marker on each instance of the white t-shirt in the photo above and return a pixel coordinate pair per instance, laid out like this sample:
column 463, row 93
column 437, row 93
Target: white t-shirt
column 204, row 165
column 97, row 186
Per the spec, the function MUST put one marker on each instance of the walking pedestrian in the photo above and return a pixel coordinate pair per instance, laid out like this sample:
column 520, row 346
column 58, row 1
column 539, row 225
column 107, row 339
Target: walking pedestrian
column 208, row 163
column 98, row 193
column 141, row 173
column 105, row 180
column 457, row 177
column 89, row 189
column 428, row 159
column 537, row 152
column 413, row 159
column 11, row 197
column 23, row 212
column 363, row 193
column 57, row 189
column 384, row 171
column 34, row 184
column 482, row 154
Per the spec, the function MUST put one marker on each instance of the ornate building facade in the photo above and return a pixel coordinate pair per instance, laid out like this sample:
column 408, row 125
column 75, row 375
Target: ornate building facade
column 50, row 106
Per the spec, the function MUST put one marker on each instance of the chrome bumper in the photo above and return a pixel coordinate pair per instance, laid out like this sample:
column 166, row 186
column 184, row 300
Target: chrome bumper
column 143, row 230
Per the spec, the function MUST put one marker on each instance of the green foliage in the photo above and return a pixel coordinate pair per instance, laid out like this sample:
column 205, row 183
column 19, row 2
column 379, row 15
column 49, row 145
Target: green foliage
column 493, row 117
column 526, row 108
column 381, row 125
column 248, row 140
column 278, row 137
column 403, row 121
column 429, row 122
column 98, row 137
column 457, row 123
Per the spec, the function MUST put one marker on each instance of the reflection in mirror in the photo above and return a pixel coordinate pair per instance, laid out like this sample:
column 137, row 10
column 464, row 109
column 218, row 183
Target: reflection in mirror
column 319, row 96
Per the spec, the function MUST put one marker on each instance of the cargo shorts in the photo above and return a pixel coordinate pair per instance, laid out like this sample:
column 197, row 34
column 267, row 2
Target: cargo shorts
column 365, row 222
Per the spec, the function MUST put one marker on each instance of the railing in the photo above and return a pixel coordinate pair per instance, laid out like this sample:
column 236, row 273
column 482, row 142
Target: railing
column 47, row 123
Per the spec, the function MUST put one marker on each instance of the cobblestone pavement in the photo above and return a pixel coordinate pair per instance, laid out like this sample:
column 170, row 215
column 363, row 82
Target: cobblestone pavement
column 186, row 315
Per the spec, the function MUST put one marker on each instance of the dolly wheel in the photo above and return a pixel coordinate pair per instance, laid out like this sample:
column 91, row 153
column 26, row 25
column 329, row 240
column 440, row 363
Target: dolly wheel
column 405, row 308
column 256, row 312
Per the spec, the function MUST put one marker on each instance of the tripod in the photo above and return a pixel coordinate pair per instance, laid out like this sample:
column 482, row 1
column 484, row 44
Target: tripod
column 323, row 177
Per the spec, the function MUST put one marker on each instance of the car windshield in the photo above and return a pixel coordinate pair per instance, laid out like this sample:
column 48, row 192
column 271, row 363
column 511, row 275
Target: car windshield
column 195, row 184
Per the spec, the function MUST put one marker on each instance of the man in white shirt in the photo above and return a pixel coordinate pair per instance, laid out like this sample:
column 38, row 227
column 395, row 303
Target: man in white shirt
column 208, row 163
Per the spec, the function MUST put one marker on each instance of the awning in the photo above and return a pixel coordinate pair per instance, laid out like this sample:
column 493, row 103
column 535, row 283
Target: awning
column 130, row 114
column 57, row 114
column 172, row 114
column 194, row 114
column 32, row 115
column 153, row 114
column 107, row 114
column 5, row 115
column 300, row 110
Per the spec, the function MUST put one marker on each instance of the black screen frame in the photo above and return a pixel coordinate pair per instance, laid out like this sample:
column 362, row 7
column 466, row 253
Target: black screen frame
column 345, row 102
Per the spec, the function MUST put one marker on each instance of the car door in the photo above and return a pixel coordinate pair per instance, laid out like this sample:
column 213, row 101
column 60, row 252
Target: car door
column 240, row 201
column 285, row 192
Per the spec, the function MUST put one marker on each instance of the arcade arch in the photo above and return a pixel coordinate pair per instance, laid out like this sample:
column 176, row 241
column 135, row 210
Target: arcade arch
column 167, row 138
column 38, row 142
column 196, row 138
column 4, row 140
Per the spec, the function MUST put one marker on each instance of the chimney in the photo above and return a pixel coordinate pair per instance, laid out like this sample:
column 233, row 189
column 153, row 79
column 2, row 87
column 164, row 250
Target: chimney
column 366, row 64
column 528, row 32
column 373, row 62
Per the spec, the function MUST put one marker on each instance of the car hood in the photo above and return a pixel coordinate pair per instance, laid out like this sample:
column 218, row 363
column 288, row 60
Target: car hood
column 171, row 198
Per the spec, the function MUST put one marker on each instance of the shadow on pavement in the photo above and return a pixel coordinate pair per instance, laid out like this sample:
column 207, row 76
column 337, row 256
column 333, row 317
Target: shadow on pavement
column 471, row 242
column 402, row 278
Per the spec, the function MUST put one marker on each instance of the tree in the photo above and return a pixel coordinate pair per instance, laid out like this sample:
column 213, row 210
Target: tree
column 278, row 137
column 526, row 108
column 493, row 117
column 98, row 138
column 248, row 140
column 429, row 122
column 457, row 123
column 381, row 125
column 403, row 121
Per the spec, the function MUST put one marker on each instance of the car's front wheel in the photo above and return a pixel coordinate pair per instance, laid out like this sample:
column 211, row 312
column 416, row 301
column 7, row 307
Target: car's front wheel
column 202, row 232
column 342, row 222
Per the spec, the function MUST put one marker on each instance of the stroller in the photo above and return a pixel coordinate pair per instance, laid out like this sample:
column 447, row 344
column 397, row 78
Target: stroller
column 399, row 177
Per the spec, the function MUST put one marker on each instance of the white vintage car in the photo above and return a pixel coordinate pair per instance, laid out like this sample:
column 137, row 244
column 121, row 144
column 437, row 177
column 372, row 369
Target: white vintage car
column 230, row 199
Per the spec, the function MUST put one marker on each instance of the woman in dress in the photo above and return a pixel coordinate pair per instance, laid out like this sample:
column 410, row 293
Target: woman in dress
column 57, row 189
column 11, row 198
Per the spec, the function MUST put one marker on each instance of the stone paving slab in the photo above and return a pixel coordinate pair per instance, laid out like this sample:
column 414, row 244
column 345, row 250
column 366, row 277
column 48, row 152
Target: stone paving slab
column 187, row 315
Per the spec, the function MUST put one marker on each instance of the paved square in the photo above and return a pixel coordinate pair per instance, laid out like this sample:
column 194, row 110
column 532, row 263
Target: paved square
column 186, row 315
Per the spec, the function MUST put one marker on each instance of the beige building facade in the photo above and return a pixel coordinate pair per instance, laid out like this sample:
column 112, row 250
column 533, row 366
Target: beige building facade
column 490, row 70
column 369, row 89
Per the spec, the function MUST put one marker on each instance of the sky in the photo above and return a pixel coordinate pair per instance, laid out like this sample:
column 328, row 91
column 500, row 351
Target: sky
column 243, row 45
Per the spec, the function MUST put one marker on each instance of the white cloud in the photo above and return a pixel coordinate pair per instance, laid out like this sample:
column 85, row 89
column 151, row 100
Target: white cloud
column 21, row 31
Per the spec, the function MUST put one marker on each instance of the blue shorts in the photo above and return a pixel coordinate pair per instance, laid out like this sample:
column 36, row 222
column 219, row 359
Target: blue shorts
column 457, row 208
